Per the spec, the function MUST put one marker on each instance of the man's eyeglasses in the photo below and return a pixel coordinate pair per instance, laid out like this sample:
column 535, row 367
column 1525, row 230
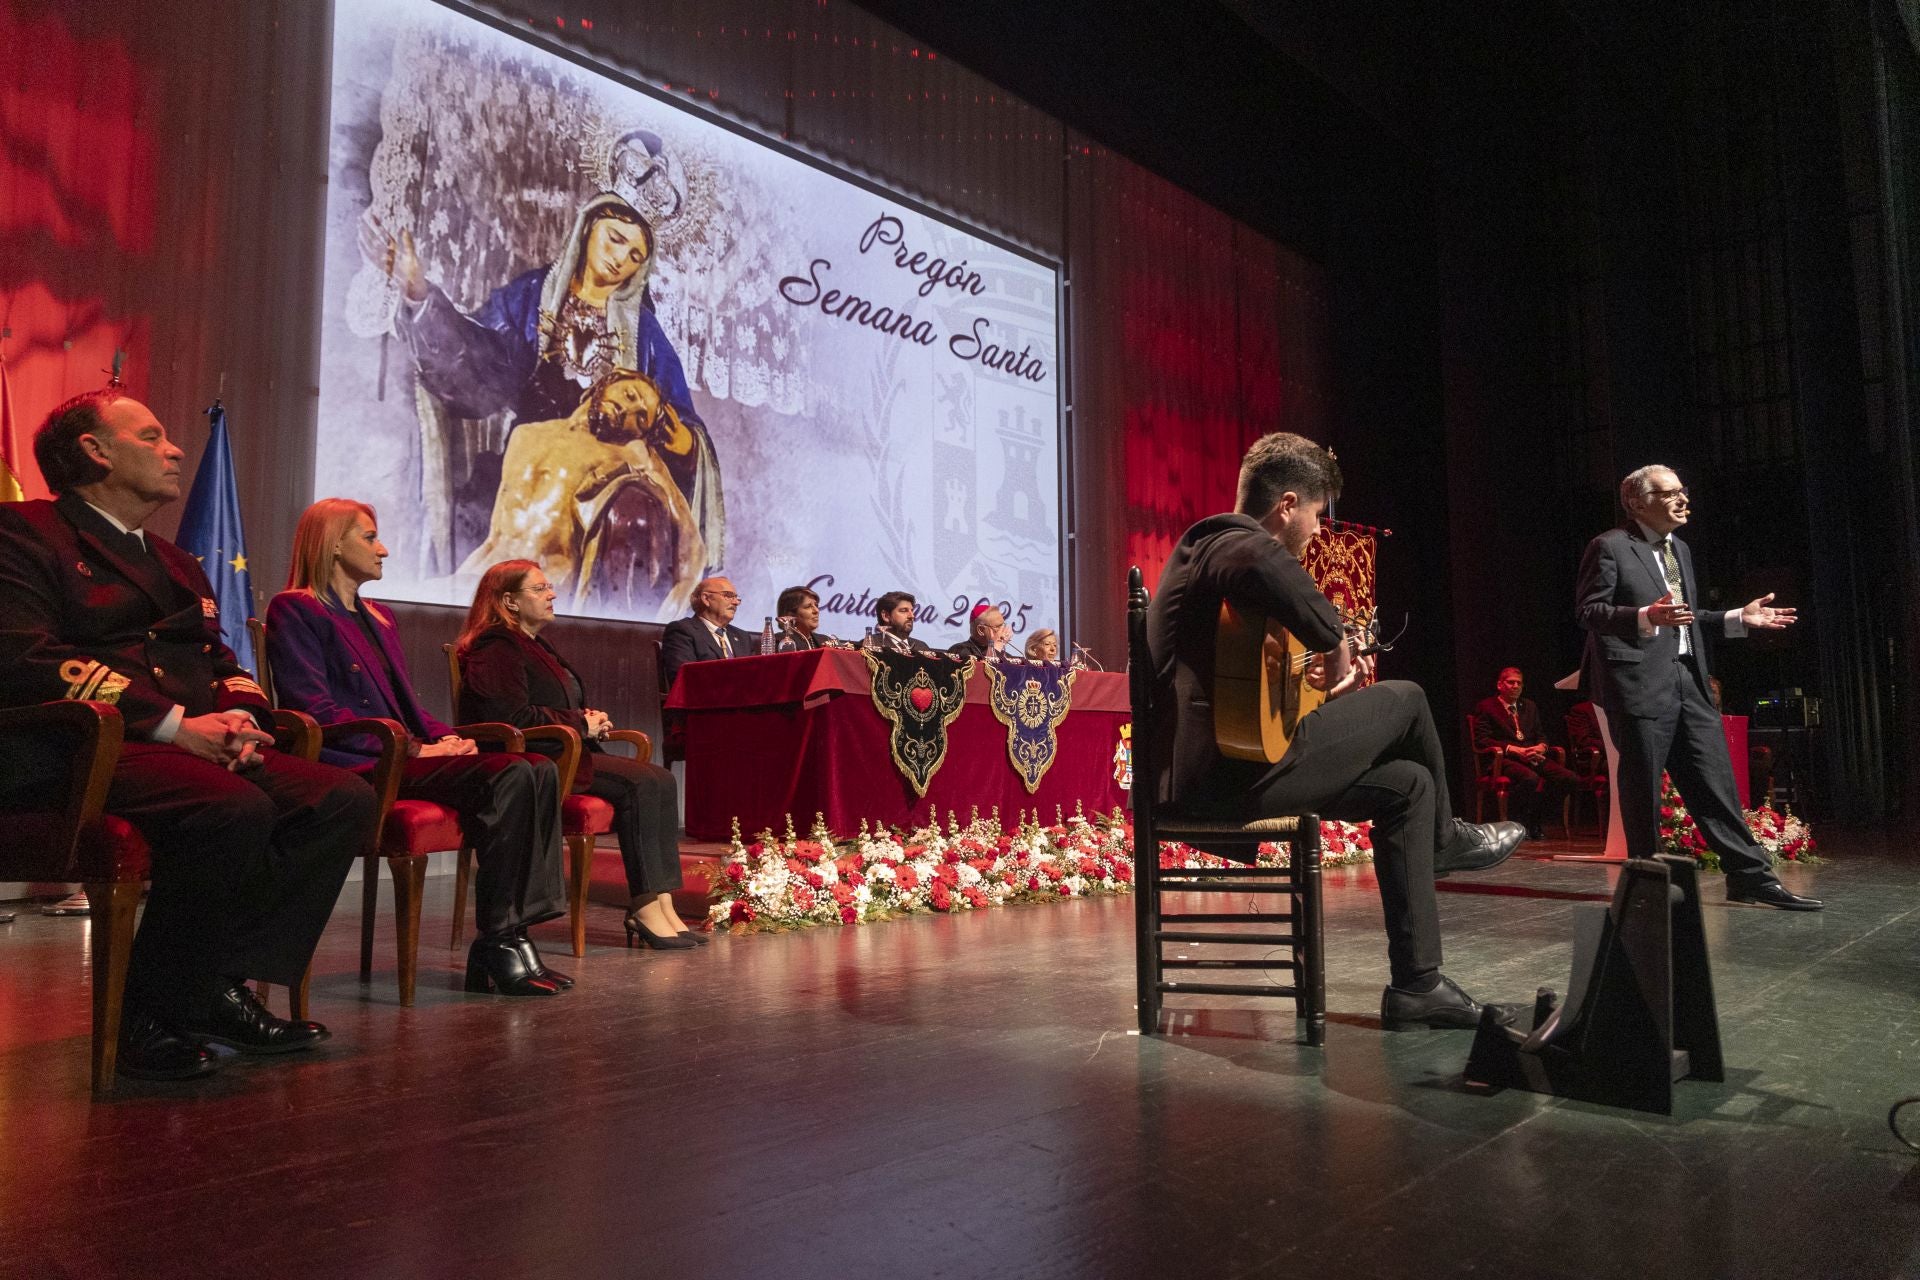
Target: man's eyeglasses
column 723, row 595
column 1680, row 493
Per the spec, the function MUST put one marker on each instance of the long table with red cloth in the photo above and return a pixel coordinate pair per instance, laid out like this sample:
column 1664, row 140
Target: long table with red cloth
column 797, row 733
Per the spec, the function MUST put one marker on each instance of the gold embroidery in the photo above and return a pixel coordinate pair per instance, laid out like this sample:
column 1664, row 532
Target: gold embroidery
column 88, row 680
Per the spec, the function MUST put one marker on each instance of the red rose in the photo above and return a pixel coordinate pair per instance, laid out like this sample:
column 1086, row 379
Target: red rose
column 741, row 912
column 736, row 871
column 814, row 879
column 849, row 916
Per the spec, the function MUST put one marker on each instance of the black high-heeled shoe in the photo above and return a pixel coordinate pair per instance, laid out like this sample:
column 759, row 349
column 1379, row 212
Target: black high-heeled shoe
column 638, row 933
column 699, row 939
column 535, row 965
column 495, row 964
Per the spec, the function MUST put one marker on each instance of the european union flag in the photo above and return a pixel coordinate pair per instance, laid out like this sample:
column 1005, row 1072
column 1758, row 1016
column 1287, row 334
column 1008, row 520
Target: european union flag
column 210, row 531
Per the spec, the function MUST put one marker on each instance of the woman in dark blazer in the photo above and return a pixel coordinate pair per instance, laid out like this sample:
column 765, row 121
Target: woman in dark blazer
column 508, row 672
column 337, row 657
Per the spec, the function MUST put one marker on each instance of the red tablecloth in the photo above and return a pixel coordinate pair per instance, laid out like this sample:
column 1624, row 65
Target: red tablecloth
column 797, row 733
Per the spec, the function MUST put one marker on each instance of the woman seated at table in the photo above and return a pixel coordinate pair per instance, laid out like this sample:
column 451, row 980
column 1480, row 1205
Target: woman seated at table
column 509, row 672
column 1043, row 646
column 798, row 612
column 337, row 657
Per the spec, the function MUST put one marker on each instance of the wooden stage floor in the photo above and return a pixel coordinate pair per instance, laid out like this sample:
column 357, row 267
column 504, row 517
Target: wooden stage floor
column 961, row 1097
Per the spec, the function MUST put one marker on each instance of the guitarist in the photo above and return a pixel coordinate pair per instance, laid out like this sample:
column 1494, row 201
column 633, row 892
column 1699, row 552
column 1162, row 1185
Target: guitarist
column 1370, row 753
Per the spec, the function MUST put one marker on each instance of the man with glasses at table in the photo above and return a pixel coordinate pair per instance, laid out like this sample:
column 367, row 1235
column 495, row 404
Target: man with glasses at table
column 1646, row 664
column 709, row 634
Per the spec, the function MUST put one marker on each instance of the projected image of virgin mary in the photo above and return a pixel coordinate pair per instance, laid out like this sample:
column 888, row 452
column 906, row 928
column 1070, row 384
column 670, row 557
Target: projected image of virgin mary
column 541, row 341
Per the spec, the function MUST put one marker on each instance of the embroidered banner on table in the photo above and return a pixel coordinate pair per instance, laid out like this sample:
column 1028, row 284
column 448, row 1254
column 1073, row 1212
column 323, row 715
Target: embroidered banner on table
column 919, row 697
column 1031, row 699
column 1342, row 562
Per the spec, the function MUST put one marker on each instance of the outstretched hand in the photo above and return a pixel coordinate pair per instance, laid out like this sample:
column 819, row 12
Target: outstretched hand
column 1665, row 613
column 1761, row 615
column 394, row 255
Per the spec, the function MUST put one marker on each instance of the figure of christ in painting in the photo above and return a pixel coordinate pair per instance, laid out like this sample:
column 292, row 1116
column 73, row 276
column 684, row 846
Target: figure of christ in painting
column 540, row 342
column 561, row 480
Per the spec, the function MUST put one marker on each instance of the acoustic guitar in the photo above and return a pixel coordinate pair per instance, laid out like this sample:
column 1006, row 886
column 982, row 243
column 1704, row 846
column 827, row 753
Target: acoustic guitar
column 1260, row 689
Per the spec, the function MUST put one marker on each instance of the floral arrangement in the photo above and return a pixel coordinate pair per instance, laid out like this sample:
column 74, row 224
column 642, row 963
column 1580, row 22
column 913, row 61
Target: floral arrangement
column 793, row 882
column 1782, row 835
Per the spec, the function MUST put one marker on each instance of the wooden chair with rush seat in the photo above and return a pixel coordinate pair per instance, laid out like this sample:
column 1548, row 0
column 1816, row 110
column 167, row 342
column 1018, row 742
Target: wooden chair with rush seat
column 408, row 830
column 1301, row 935
column 583, row 818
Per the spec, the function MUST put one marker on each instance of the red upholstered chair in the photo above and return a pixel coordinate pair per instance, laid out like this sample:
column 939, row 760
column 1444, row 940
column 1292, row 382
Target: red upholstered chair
column 1489, row 779
column 583, row 819
column 66, row 835
column 1589, row 765
column 409, row 830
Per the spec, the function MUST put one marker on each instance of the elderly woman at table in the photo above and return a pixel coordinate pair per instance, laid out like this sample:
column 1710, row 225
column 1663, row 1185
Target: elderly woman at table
column 509, row 672
column 1043, row 646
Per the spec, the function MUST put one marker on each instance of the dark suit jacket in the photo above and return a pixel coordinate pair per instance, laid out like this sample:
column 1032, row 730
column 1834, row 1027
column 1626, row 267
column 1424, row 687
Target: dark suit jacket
column 688, row 640
column 507, row 676
column 914, row 644
column 1493, row 728
column 84, row 618
column 969, row 649
column 1623, row 671
column 322, row 665
column 1225, row 557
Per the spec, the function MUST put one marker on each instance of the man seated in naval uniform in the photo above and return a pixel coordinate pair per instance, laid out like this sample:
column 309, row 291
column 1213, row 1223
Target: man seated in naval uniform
column 250, row 846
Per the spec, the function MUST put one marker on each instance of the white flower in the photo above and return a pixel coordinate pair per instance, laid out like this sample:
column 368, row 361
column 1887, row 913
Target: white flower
column 1077, row 884
column 862, row 895
column 829, row 873
column 880, row 871
column 968, row 875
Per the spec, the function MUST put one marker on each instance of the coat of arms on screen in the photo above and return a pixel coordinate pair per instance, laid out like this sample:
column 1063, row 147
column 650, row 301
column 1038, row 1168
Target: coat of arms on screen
column 920, row 697
column 1123, row 758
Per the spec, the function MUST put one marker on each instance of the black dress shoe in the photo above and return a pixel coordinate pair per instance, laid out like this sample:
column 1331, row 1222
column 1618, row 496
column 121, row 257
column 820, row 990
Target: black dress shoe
column 241, row 1022
column 1446, row 1007
column 1773, row 894
column 496, row 964
column 152, row 1050
column 1477, row 846
column 529, row 953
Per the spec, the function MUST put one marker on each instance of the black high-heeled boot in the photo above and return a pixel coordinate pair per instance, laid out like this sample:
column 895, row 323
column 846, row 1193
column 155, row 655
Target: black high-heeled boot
column 495, row 964
column 535, row 965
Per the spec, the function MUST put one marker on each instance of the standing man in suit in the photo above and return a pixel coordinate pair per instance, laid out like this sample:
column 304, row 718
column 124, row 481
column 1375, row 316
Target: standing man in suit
column 250, row 846
column 709, row 634
column 1370, row 753
column 1646, row 664
column 1507, row 726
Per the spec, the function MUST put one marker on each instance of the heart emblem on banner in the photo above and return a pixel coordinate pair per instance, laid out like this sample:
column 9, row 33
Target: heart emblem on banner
column 922, row 699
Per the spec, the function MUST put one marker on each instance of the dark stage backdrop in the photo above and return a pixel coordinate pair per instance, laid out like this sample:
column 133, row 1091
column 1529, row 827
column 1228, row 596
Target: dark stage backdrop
column 162, row 191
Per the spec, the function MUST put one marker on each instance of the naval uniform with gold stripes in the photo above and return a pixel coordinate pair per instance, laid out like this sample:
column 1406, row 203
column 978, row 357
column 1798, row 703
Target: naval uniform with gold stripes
column 246, row 864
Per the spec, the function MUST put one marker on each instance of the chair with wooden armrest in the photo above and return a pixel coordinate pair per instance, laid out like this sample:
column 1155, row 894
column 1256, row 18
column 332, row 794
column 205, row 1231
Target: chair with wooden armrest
column 408, row 830
column 1489, row 778
column 65, row 834
column 583, row 818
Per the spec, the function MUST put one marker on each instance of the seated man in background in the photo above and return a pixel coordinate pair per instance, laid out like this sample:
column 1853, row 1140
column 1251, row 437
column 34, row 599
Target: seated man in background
column 798, row 616
column 1507, row 727
column 895, row 611
column 250, row 846
column 709, row 634
column 989, row 635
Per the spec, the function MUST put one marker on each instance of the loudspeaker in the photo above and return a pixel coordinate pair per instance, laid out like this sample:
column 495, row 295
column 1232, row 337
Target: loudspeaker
column 1641, row 1013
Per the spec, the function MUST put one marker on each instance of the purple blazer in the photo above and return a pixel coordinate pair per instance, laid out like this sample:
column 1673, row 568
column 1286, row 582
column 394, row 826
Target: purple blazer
column 322, row 665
